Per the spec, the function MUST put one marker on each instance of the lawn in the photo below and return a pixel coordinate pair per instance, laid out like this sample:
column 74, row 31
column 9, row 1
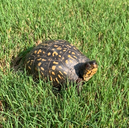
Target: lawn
column 99, row 29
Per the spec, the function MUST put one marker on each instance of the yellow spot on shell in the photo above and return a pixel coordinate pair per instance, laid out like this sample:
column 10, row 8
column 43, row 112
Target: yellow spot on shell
column 75, row 57
column 42, row 68
column 62, row 58
column 42, row 73
column 65, row 73
column 39, row 51
column 70, row 56
column 69, row 46
column 51, row 78
column 43, row 60
column 57, row 80
column 73, row 53
column 60, row 72
column 39, row 64
column 28, row 61
column 29, row 67
column 59, row 55
column 59, row 76
column 53, row 73
column 43, row 52
column 49, row 54
column 55, row 45
column 53, row 67
column 59, row 48
column 39, row 59
column 66, row 61
column 35, row 51
column 64, row 50
column 54, row 53
column 55, row 62
column 60, row 67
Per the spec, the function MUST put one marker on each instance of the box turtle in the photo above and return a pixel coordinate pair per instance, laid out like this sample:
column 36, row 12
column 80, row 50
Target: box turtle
column 59, row 61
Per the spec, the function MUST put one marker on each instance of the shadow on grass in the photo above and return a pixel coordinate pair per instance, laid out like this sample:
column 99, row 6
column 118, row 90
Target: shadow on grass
column 17, row 63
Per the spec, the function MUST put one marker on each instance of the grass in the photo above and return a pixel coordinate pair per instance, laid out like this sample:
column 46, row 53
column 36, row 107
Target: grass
column 100, row 29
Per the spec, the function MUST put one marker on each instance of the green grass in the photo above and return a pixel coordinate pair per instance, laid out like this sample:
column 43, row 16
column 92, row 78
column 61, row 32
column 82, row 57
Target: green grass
column 100, row 29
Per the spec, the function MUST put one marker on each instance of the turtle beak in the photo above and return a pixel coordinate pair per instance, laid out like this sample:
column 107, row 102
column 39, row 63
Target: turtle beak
column 94, row 64
column 91, row 69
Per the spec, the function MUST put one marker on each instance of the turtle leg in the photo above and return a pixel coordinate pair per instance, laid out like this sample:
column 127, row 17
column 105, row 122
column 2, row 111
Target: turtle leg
column 79, row 82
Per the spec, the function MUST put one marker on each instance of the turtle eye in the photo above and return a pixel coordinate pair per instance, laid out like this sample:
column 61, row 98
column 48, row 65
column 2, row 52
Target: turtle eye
column 87, row 65
column 91, row 64
column 94, row 65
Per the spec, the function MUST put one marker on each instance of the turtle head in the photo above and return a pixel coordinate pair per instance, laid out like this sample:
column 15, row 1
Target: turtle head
column 90, row 68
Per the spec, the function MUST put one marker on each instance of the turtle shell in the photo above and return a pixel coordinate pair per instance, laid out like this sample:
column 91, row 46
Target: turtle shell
column 56, row 60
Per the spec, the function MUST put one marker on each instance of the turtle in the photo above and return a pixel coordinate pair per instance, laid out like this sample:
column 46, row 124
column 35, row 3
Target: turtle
column 59, row 61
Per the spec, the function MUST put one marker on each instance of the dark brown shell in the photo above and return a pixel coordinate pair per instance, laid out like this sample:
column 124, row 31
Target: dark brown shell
column 56, row 60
